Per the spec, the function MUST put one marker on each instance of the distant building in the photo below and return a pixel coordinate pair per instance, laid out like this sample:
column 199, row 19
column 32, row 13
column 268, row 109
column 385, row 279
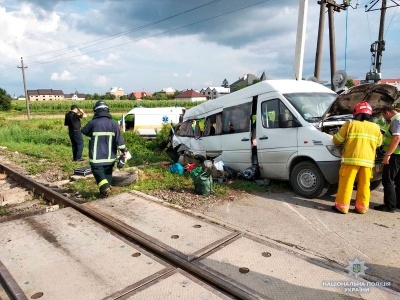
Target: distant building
column 116, row 91
column 138, row 95
column 45, row 95
column 215, row 92
column 191, row 95
column 246, row 80
column 75, row 96
column 392, row 81
column 168, row 91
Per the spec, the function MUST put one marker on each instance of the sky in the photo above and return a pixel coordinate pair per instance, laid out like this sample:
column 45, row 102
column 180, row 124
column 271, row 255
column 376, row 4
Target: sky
column 90, row 46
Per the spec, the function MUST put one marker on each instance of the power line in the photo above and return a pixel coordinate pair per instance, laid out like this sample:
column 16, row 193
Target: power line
column 114, row 36
column 150, row 36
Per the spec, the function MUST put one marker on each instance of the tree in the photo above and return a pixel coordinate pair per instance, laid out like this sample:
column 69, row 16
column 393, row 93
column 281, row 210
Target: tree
column 5, row 100
column 350, row 83
column 225, row 83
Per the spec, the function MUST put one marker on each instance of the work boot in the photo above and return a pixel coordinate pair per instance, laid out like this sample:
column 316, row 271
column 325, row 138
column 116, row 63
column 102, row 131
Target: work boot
column 105, row 193
column 334, row 208
column 384, row 208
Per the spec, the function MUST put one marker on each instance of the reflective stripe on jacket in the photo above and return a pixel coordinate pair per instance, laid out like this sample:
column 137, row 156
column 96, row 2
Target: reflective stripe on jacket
column 105, row 139
column 360, row 139
column 388, row 138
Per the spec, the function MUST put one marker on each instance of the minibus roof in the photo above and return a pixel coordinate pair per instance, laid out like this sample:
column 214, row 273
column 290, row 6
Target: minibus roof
column 214, row 106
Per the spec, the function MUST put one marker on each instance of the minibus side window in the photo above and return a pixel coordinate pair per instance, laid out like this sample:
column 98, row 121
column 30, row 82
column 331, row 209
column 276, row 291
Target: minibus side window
column 210, row 125
column 186, row 129
column 236, row 119
column 274, row 114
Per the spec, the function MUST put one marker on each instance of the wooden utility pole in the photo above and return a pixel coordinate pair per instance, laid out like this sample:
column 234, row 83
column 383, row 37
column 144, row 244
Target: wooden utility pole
column 26, row 93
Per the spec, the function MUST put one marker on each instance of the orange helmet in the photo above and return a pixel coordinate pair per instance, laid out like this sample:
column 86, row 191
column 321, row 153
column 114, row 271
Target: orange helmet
column 362, row 108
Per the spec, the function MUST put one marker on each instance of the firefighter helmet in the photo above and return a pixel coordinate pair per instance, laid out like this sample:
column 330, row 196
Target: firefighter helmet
column 100, row 105
column 362, row 108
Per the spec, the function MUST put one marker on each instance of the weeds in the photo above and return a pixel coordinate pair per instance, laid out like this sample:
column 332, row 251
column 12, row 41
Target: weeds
column 4, row 211
column 43, row 144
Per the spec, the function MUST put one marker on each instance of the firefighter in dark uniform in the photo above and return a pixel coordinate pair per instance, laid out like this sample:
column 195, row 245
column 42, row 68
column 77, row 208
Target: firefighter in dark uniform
column 105, row 140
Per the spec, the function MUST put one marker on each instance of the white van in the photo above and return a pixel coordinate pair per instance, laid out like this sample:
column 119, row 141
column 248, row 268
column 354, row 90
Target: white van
column 149, row 121
column 277, row 125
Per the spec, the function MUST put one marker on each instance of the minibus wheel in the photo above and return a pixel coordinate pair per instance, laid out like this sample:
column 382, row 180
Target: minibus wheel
column 375, row 184
column 307, row 180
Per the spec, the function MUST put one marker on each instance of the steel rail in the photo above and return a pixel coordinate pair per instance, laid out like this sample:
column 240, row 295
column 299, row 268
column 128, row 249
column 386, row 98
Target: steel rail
column 11, row 287
column 54, row 197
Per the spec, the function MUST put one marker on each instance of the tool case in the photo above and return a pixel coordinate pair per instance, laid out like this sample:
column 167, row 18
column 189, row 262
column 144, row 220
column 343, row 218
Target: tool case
column 83, row 171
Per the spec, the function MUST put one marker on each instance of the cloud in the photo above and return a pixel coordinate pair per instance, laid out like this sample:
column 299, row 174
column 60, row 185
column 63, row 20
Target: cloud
column 63, row 76
column 101, row 81
column 183, row 44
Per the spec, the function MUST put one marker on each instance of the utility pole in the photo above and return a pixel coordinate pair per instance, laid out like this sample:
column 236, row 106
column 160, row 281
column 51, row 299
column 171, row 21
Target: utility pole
column 332, row 43
column 379, row 46
column 332, row 7
column 300, row 39
column 320, row 41
column 26, row 93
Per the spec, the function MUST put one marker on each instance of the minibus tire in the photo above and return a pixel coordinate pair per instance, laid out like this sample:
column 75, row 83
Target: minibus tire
column 375, row 184
column 307, row 180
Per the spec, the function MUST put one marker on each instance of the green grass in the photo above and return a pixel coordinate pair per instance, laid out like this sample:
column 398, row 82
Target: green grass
column 4, row 211
column 42, row 144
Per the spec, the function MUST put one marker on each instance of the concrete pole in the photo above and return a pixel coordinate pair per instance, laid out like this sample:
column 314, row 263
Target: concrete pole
column 332, row 45
column 320, row 41
column 26, row 93
column 380, row 38
column 300, row 39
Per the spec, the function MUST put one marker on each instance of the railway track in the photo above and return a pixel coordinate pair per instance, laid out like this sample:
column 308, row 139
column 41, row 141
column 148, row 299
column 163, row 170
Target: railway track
column 130, row 247
column 54, row 198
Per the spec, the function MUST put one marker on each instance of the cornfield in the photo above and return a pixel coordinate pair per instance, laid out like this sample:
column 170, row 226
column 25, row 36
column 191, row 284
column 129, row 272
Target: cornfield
column 87, row 105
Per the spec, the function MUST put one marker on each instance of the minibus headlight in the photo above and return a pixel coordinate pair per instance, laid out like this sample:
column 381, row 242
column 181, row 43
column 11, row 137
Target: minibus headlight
column 335, row 150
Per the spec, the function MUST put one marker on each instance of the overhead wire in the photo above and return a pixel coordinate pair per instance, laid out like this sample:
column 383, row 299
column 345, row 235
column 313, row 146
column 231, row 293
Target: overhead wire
column 150, row 36
column 387, row 29
column 114, row 36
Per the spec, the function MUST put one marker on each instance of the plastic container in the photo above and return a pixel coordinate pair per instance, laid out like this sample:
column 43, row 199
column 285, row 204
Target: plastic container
column 208, row 163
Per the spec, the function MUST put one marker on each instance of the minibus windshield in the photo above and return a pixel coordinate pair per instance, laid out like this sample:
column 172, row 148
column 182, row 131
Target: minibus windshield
column 311, row 106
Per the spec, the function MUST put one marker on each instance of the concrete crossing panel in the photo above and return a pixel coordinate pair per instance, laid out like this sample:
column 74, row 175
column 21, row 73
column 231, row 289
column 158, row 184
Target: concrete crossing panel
column 266, row 271
column 175, row 285
column 65, row 255
column 177, row 232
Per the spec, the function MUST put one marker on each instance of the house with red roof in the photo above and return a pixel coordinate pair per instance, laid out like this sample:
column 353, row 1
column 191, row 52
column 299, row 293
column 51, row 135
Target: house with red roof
column 138, row 95
column 191, row 95
column 391, row 81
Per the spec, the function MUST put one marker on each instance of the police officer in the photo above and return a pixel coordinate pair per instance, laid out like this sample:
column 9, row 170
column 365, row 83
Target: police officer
column 105, row 140
column 391, row 161
column 73, row 121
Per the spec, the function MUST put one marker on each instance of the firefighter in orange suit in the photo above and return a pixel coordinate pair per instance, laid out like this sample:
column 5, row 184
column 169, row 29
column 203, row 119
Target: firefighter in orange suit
column 360, row 139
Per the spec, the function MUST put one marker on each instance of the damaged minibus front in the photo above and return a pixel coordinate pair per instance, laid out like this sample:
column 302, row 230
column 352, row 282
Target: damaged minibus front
column 274, row 124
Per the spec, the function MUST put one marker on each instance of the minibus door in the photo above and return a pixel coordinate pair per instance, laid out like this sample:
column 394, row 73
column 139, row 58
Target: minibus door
column 276, row 137
column 236, row 136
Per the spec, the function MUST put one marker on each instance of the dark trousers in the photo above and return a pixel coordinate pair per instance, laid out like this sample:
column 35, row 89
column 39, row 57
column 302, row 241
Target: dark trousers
column 103, row 176
column 77, row 143
column 391, row 182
